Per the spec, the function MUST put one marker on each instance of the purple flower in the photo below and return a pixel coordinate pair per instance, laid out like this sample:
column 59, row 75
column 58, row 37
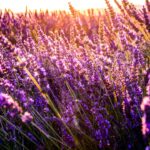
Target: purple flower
column 26, row 117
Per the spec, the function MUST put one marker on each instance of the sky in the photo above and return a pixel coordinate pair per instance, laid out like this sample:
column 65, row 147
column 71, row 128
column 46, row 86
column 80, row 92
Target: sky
column 20, row 5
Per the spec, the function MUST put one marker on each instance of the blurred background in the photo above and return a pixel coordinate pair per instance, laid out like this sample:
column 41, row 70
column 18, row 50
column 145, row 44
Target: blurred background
column 20, row 5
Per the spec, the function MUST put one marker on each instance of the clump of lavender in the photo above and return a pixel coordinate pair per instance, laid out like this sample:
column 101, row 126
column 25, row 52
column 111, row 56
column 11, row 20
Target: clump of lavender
column 74, row 86
column 10, row 104
column 13, row 109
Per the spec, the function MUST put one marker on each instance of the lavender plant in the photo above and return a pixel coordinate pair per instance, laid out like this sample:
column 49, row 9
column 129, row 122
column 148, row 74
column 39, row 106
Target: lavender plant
column 75, row 80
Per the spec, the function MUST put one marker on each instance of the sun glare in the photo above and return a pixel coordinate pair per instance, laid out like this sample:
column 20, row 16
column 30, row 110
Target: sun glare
column 20, row 5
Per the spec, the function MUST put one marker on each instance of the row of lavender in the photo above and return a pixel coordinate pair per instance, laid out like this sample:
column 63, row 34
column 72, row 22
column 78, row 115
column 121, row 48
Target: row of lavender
column 75, row 80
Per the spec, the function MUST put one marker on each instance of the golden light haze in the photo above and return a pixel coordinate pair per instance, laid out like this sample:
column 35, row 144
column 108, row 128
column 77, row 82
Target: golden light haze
column 20, row 5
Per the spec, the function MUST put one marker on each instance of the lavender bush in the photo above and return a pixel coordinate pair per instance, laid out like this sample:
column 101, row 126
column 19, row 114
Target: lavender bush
column 77, row 80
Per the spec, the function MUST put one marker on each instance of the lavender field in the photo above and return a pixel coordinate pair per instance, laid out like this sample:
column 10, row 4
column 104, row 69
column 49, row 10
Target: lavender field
column 75, row 80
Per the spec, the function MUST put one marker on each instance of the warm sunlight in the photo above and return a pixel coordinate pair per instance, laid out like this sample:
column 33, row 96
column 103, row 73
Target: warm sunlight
column 19, row 5
column 74, row 75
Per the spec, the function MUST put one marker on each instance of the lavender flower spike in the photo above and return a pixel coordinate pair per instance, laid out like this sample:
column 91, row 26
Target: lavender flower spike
column 26, row 117
column 145, row 106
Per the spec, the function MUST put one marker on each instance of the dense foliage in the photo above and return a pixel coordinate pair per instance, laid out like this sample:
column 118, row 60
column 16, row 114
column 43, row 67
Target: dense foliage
column 75, row 80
